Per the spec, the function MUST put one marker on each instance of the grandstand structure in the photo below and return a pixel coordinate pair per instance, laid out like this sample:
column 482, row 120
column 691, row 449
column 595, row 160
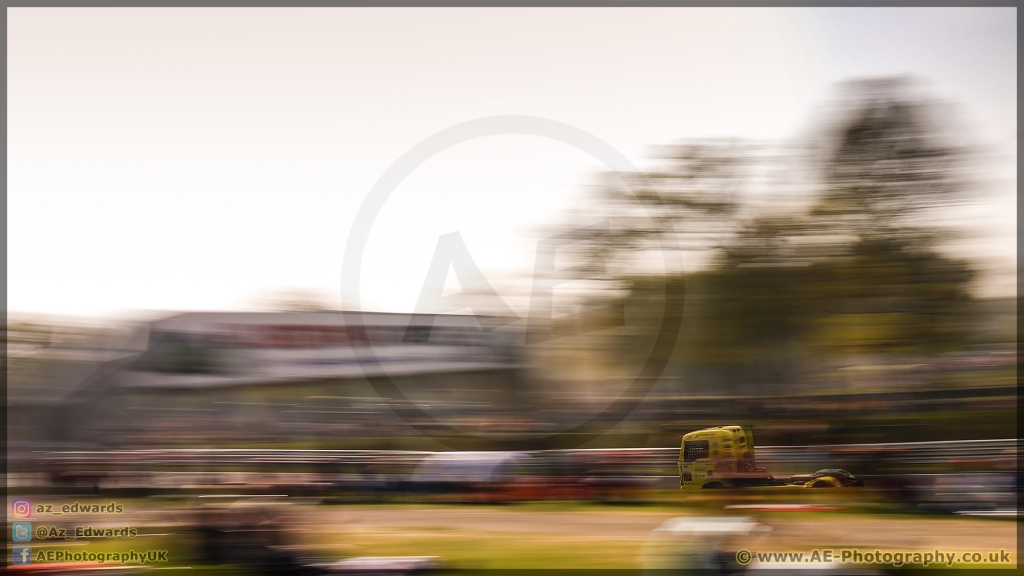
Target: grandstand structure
column 236, row 378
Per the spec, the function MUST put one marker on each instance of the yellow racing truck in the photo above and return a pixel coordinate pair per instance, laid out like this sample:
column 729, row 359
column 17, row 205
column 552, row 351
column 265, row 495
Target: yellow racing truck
column 723, row 457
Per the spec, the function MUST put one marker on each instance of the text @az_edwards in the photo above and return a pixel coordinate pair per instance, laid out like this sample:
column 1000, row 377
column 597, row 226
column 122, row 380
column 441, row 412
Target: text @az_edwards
column 58, row 533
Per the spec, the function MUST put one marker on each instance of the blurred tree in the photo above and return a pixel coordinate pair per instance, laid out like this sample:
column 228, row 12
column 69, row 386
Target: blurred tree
column 858, row 273
column 888, row 160
column 646, row 222
column 689, row 204
column 883, row 288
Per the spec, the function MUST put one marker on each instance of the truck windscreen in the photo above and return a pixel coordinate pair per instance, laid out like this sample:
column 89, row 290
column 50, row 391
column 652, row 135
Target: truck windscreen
column 694, row 450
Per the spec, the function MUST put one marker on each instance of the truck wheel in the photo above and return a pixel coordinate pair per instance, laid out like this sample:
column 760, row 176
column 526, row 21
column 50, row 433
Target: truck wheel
column 825, row 482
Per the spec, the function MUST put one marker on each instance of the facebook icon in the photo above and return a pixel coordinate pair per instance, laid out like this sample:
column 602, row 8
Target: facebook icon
column 21, row 555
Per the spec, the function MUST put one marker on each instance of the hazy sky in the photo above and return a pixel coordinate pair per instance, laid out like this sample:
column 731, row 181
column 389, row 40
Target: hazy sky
column 201, row 158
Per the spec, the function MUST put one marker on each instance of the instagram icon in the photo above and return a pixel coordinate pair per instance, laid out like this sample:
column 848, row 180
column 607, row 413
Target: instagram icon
column 21, row 508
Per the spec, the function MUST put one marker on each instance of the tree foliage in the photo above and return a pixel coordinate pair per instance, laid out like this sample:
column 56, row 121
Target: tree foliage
column 856, row 273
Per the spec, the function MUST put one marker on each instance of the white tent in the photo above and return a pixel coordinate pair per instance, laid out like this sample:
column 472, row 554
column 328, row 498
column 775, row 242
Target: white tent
column 471, row 467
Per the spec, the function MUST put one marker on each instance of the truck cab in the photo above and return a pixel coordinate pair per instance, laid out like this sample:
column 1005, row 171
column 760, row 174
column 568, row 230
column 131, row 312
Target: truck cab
column 720, row 457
